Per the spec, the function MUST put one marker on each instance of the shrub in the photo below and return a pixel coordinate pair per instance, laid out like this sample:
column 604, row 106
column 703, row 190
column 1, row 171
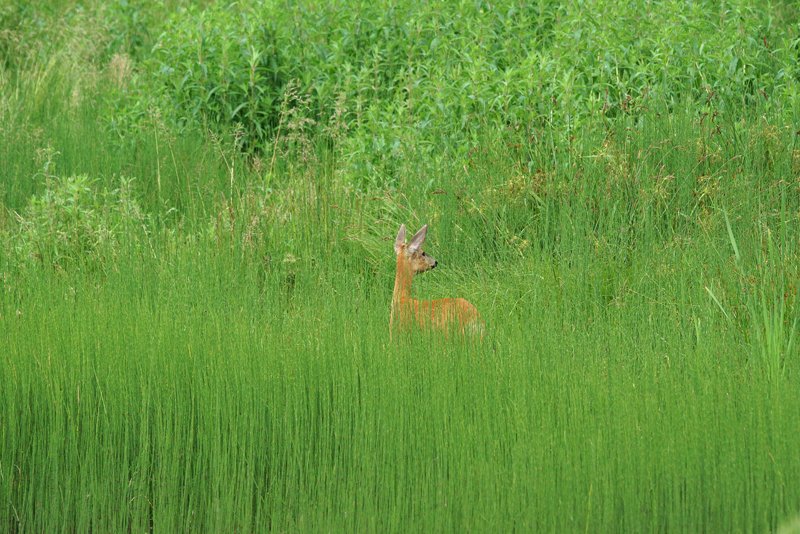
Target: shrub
column 72, row 224
column 448, row 73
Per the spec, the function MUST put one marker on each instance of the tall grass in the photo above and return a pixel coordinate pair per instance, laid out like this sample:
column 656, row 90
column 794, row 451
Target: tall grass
column 195, row 333
column 237, row 374
column 195, row 401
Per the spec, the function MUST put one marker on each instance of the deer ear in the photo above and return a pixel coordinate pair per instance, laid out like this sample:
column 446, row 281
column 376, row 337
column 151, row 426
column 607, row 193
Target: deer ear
column 401, row 239
column 418, row 239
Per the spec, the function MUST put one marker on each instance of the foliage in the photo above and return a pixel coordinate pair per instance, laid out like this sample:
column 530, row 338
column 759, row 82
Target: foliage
column 219, row 66
column 204, row 346
column 73, row 225
column 444, row 72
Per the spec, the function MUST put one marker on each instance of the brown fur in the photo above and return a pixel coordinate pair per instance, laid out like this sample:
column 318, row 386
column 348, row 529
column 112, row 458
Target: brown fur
column 441, row 314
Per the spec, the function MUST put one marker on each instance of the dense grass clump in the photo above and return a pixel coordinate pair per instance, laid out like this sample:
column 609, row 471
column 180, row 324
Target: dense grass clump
column 199, row 207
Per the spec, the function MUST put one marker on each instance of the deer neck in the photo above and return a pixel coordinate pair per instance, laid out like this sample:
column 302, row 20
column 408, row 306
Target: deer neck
column 402, row 281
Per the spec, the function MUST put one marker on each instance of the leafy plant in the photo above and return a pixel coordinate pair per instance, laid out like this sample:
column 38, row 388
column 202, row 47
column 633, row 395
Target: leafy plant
column 218, row 67
column 72, row 225
column 449, row 73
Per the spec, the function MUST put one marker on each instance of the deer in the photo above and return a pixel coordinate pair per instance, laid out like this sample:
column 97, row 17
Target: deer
column 443, row 315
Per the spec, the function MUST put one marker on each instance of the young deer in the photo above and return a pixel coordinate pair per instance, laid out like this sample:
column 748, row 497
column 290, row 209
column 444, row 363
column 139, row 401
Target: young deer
column 443, row 314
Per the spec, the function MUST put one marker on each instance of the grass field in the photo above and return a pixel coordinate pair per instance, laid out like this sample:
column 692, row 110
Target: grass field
column 199, row 205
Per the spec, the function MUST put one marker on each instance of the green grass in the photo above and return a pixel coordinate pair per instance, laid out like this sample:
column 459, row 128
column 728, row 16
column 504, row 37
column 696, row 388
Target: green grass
column 191, row 397
column 194, row 335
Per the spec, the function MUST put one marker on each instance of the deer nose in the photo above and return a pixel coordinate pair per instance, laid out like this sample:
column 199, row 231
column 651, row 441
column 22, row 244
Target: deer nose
column 435, row 263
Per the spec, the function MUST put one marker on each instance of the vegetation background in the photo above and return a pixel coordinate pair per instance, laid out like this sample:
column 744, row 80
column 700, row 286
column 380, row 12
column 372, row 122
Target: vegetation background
column 199, row 201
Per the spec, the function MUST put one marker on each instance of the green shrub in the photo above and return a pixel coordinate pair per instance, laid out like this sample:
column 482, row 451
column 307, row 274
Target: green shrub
column 218, row 67
column 450, row 73
column 72, row 224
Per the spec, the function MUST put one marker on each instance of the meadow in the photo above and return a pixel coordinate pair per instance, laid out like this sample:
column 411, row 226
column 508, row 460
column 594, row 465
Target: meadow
column 199, row 206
